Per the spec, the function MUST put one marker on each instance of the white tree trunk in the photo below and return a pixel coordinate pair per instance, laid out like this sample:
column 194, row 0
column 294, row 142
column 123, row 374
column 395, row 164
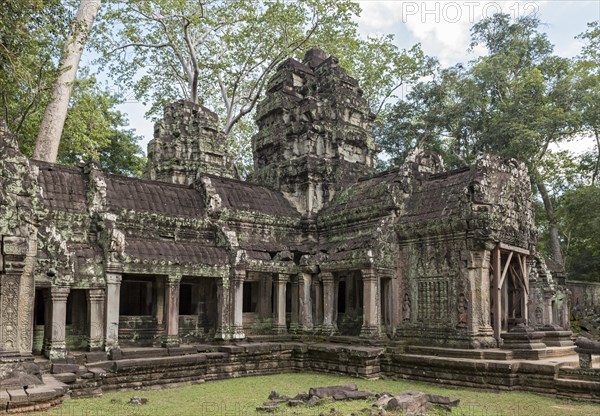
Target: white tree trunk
column 48, row 140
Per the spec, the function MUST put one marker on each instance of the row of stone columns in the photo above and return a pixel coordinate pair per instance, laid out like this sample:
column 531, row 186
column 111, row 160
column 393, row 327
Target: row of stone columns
column 103, row 309
column 301, row 312
column 103, row 316
column 55, row 304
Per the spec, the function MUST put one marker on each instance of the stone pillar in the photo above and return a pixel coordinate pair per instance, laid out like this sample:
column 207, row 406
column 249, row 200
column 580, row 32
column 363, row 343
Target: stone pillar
column 318, row 304
column 371, row 326
column 295, row 312
column 386, row 313
column 9, row 313
column 329, row 325
column 265, row 307
column 56, row 299
column 548, row 315
column 477, row 297
column 223, row 310
column 279, row 325
column 112, row 302
column 237, row 303
column 395, row 305
column 305, row 302
column 95, row 300
column 16, row 293
column 159, row 308
column 171, row 338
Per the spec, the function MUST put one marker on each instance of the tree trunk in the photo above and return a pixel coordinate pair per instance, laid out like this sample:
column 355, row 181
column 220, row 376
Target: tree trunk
column 597, row 166
column 48, row 140
column 554, row 240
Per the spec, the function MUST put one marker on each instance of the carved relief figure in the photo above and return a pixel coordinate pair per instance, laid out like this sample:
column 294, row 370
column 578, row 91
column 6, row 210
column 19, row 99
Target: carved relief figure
column 463, row 310
column 406, row 308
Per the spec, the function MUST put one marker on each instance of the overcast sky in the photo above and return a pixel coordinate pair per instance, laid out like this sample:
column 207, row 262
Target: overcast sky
column 442, row 28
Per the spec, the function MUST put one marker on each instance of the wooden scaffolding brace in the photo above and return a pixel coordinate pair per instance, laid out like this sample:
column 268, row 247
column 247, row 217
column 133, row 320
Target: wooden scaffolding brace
column 500, row 270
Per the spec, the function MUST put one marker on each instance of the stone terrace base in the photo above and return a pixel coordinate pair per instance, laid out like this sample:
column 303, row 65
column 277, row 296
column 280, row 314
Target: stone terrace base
column 147, row 368
column 37, row 398
column 555, row 371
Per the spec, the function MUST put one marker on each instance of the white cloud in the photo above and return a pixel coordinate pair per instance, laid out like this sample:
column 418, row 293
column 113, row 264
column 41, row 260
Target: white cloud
column 441, row 26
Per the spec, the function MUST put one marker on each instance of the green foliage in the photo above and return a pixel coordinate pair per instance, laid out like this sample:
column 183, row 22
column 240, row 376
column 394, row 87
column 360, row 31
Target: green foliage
column 587, row 66
column 95, row 130
column 515, row 101
column 580, row 222
column 216, row 53
column 220, row 54
column 31, row 34
column 519, row 100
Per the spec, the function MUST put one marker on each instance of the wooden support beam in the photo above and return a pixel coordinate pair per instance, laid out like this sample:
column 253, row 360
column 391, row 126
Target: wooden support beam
column 496, row 295
column 510, row 255
column 515, row 249
column 526, row 294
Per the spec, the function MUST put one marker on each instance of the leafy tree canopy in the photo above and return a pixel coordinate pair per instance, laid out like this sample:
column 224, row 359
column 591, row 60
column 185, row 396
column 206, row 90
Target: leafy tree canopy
column 221, row 53
column 518, row 100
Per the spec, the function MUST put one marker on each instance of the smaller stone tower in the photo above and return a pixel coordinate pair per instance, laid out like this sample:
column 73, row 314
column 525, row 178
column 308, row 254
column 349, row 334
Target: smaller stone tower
column 187, row 141
column 314, row 131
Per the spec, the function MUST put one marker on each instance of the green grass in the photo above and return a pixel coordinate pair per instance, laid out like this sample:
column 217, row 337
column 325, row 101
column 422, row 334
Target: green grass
column 237, row 397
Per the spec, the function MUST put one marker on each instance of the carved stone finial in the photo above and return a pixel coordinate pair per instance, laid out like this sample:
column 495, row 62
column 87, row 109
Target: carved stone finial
column 314, row 57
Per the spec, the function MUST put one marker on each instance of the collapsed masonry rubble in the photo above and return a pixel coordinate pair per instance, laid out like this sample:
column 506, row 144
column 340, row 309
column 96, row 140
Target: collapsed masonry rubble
column 315, row 246
column 408, row 402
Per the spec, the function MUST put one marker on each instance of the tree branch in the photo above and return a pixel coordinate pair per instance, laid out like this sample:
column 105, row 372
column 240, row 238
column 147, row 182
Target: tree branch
column 388, row 95
column 170, row 42
column 141, row 45
column 597, row 168
column 549, row 207
column 257, row 88
column 193, row 62
column 223, row 88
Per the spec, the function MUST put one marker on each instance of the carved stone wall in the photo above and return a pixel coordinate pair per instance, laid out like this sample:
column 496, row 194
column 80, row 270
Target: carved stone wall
column 405, row 252
column 20, row 213
column 187, row 141
column 314, row 131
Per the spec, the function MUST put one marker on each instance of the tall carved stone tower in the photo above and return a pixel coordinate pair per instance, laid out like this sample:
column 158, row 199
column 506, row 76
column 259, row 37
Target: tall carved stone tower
column 314, row 131
column 187, row 141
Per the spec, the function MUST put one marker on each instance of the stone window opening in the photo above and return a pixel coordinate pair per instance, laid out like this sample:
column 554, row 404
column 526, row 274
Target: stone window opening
column 197, row 309
column 349, row 303
column 76, row 331
column 185, row 300
column 250, row 301
column 39, row 319
column 136, row 298
column 341, row 304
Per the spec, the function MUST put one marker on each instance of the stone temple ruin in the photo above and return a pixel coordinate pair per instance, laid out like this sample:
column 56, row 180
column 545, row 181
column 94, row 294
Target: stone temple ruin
column 316, row 262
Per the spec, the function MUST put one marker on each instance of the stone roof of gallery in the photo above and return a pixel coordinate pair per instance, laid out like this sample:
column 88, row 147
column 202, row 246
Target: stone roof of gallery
column 176, row 252
column 441, row 195
column 245, row 196
column 63, row 187
column 143, row 195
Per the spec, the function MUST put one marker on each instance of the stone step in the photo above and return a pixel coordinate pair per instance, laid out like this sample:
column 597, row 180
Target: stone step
column 95, row 356
column 67, row 378
column 147, row 352
column 560, row 351
column 58, row 368
column 491, row 354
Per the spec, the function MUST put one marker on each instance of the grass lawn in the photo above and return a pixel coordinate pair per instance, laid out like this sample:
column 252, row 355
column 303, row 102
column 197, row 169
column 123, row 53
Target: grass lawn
column 240, row 396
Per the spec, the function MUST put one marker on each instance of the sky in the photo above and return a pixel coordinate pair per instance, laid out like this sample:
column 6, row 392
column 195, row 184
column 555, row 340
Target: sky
column 442, row 29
